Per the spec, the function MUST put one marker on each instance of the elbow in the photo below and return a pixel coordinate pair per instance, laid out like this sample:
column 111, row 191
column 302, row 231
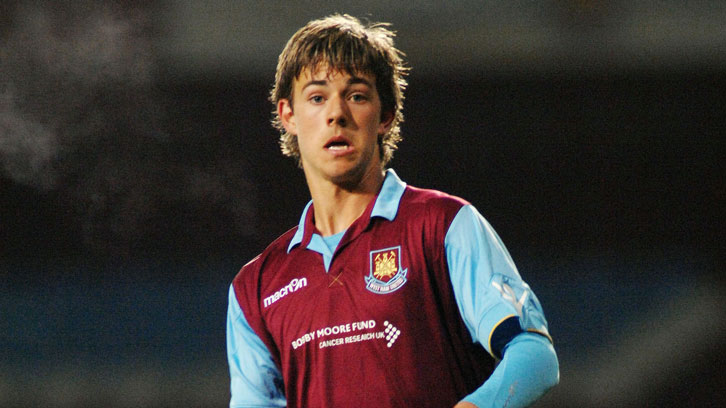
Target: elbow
column 553, row 380
column 552, row 377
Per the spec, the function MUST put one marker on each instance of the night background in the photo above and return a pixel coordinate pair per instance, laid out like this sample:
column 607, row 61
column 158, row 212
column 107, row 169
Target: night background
column 139, row 172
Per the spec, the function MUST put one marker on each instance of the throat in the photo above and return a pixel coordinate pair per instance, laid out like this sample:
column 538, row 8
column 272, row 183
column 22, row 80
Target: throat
column 337, row 205
column 335, row 217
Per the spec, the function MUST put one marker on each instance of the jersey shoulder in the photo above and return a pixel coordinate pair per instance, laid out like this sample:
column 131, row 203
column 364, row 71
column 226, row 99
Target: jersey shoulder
column 429, row 211
column 250, row 274
column 431, row 202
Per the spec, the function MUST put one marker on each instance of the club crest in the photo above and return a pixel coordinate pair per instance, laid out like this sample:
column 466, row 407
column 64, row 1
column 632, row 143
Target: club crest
column 386, row 274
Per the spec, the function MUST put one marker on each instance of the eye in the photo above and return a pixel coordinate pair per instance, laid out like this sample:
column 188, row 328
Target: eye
column 358, row 97
column 316, row 99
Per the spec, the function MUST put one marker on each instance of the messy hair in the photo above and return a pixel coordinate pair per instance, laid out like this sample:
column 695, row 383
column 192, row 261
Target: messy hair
column 343, row 43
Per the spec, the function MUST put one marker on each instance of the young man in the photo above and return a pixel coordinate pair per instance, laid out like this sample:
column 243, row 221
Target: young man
column 384, row 294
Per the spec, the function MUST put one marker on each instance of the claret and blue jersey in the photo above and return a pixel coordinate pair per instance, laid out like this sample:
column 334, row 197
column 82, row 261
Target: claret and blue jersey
column 408, row 306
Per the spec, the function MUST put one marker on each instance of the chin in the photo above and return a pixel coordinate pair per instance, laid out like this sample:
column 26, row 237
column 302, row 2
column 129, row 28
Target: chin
column 355, row 176
column 347, row 177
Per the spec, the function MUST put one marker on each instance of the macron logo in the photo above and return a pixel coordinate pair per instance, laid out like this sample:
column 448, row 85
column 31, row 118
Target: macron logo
column 294, row 285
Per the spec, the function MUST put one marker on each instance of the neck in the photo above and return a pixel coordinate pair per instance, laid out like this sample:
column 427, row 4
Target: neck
column 337, row 206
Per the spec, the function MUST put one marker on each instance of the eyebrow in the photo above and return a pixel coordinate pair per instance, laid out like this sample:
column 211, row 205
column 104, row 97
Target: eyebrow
column 351, row 81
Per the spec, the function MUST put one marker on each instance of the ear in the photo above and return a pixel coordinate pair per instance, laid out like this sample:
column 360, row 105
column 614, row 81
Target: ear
column 386, row 122
column 287, row 116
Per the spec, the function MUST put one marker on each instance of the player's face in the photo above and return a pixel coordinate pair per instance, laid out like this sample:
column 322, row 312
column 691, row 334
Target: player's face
column 337, row 119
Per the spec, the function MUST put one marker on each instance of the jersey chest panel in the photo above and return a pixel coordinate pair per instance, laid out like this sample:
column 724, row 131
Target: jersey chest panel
column 380, row 277
column 377, row 313
column 380, row 327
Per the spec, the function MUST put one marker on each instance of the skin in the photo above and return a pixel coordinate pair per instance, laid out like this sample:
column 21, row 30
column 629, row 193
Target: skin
column 337, row 119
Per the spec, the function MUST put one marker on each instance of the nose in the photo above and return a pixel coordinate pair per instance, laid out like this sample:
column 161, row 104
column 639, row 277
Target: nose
column 337, row 112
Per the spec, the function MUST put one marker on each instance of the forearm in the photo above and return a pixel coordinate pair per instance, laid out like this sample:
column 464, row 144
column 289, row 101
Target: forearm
column 528, row 369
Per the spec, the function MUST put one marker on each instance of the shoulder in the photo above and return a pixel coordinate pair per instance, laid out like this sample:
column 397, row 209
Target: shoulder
column 431, row 202
column 251, row 273
column 431, row 211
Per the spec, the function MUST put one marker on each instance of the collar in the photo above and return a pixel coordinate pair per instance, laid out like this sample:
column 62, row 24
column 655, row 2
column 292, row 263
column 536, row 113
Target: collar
column 385, row 206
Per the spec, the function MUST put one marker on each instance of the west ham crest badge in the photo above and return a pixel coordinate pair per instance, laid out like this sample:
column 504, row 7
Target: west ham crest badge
column 386, row 274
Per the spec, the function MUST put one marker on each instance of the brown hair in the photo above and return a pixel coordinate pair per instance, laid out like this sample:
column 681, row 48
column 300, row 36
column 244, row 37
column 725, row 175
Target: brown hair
column 343, row 43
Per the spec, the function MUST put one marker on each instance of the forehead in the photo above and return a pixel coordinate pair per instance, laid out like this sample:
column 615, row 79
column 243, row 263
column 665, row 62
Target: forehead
column 324, row 72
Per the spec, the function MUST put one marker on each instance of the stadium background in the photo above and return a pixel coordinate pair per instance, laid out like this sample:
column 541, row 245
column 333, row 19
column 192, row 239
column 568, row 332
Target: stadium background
column 138, row 172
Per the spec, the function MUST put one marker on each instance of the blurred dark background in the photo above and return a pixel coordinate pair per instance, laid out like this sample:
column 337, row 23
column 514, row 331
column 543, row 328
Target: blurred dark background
column 139, row 172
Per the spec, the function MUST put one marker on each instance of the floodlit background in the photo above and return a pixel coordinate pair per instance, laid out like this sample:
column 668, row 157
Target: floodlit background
column 139, row 172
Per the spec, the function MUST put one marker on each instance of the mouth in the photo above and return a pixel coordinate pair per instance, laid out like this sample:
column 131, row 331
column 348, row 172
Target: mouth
column 337, row 144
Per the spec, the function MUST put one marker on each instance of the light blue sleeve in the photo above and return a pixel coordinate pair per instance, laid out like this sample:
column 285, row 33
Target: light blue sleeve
column 255, row 379
column 487, row 286
column 528, row 369
column 488, row 290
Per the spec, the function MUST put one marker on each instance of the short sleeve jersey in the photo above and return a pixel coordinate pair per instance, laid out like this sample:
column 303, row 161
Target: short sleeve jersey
column 400, row 313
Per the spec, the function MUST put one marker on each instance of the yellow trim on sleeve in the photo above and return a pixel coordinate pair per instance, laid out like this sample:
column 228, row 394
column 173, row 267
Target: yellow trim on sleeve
column 491, row 333
column 543, row 333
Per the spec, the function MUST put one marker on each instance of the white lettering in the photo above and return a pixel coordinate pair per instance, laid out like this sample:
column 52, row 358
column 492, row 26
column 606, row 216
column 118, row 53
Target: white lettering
column 306, row 338
column 330, row 343
column 294, row 285
column 339, row 329
column 364, row 325
column 327, row 331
